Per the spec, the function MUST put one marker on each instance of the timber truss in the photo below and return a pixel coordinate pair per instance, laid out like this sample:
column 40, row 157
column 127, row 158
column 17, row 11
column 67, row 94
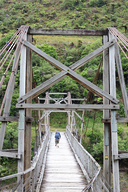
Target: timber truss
column 21, row 42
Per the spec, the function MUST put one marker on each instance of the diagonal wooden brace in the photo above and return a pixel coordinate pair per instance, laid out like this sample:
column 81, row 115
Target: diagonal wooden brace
column 68, row 71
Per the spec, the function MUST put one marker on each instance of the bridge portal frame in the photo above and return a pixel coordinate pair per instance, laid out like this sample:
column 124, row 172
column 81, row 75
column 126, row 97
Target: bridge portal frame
column 108, row 94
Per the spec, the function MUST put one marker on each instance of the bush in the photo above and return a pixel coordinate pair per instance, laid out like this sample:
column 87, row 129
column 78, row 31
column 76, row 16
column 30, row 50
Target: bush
column 49, row 50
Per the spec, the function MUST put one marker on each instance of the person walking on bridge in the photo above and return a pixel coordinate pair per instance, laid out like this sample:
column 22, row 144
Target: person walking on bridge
column 57, row 138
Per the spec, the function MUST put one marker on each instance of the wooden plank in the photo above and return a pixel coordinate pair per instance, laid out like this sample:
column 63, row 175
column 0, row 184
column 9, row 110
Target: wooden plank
column 67, row 106
column 121, row 156
column 90, row 86
column 62, row 172
column 71, row 32
column 10, row 155
column 115, row 164
column 121, row 79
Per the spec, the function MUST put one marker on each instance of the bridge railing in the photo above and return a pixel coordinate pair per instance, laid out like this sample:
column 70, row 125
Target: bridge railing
column 35, row 172
column 89, row 166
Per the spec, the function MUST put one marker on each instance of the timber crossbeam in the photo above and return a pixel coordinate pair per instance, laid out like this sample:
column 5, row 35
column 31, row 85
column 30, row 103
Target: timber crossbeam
column 66, row 71
column 14, row 118
column 88, row 107
column 70, row 32
column 121, row 156
column 119, row 120
column 10, row 154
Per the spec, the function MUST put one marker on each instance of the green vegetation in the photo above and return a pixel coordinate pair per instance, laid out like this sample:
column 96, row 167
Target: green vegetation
column 89, row 14
column 73, row 14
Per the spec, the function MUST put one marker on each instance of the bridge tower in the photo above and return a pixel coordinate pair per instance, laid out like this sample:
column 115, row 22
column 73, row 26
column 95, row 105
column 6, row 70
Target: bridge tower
column 23, row 53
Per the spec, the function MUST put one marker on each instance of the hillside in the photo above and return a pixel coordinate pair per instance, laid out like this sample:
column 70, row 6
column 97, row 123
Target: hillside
column 68, row 14
column 89, row 14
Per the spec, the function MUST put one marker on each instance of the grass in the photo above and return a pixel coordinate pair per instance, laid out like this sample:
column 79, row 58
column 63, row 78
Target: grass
column 54, row 40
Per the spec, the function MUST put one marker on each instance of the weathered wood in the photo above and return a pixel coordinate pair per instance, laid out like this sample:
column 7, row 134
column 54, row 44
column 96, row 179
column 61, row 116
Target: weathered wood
column 90, row 86
column 43, row 87
column 10, row 154
column 121, row 156
column 22, row 114
column 121, row 79
column 57, row 93
column 14, row 118
column 91, row 55
column 67, row 106
column 116, row 183
column 82, row 125
column 119, row 120
column 62, row 172
column 69, row 113
column 106, row 126
column 28, row 124
column 9, row 118
column 71, row 32
column 77, row 64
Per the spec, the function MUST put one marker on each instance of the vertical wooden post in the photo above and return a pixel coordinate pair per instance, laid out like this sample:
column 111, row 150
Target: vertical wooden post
column 22, row 113
column 68, row 113
column 82, row 125
column 27, row 136
column 39, row 124
column 115, row 163
column 106, row 126
column 47, row 115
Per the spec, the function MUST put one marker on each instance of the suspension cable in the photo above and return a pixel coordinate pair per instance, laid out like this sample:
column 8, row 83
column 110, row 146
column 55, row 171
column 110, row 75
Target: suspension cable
column 15, row 68
column 121, row 40
column 8, row 43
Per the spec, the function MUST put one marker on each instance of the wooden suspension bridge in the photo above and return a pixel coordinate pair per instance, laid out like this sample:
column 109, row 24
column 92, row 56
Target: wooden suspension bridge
column 74, row 169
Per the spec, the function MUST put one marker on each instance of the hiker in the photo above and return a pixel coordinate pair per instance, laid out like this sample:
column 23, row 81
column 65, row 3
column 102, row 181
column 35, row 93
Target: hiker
column 57, row 138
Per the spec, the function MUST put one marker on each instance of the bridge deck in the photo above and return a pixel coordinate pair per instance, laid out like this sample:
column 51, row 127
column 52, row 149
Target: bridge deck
column 62, row 172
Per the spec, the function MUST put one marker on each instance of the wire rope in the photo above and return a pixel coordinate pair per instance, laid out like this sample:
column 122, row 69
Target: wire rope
column 14, row 70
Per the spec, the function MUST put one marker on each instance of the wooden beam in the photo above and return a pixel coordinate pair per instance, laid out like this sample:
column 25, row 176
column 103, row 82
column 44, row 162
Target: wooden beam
column 21, row 127
column 67, row 106
column 119, row 120
column 68, row 32
column 115, row 164
column 43, row 87
column 9, row 118
column 91, row 55
column 77, row 64
column 28, row 112
column 10, row 154
column 106, row 113
column 12, row 118
column 121, row 156
column 90, row 86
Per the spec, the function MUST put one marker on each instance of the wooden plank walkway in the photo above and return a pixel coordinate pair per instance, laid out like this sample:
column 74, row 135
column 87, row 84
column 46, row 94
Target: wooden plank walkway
column 62, row 172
